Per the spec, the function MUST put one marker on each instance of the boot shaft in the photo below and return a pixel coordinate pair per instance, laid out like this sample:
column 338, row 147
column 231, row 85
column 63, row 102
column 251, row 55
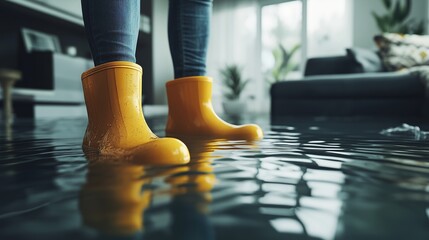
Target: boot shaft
column 113, row 100
column 112, row 91
column 189, row 104
column 187, row 96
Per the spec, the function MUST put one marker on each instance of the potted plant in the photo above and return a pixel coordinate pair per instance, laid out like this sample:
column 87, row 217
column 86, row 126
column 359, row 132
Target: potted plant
column 397, row 18
column 234, row 85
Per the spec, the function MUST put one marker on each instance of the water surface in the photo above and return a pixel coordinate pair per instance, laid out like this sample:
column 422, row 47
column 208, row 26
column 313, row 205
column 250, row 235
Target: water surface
column 308, row 179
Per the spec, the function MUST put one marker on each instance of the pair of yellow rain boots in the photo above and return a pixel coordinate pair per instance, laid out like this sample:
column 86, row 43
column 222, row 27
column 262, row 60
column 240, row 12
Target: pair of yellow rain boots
column 116, row 125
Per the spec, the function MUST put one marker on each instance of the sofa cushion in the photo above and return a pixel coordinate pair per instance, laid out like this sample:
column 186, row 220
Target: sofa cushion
column 367, row 59
column 331, row 65
column 366, row 85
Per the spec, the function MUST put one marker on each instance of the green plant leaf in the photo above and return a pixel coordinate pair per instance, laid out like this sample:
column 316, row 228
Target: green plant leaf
column 379, row 22
column 401, row 11
column 233, row 82
column 416, row 27
column 397, row 10
column 420, row 28
column 242, row 86
column 387, row 3
column 283, row 63
column 395, row 18
column 403, row 28
column 407, row 9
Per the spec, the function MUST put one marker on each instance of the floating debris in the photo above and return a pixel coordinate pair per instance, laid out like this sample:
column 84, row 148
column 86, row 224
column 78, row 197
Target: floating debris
column 406, row 130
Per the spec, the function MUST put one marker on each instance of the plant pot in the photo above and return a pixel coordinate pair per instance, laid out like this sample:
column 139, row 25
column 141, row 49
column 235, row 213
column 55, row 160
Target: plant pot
column 234, row 108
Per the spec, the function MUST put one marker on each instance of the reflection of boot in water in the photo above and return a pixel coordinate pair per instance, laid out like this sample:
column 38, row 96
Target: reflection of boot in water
column 198, row 175
column 191, row 195
column 111, row 201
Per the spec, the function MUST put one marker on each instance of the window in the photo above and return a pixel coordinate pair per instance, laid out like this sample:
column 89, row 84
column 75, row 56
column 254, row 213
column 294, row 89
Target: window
column 294, row 30
column 329, row 27
column 281, row 40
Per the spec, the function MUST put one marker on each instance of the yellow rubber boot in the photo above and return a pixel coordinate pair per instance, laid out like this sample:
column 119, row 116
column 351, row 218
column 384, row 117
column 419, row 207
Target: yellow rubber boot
column 116, row 125
column 191, row 112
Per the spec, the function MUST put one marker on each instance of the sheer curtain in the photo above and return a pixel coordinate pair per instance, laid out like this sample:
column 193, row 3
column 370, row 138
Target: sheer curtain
column 234, row 40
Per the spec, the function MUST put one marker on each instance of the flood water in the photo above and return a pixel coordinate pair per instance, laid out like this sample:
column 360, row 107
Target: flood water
column 307, row 179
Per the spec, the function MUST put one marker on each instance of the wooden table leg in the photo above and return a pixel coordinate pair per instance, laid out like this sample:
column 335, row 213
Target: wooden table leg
column 8, row 79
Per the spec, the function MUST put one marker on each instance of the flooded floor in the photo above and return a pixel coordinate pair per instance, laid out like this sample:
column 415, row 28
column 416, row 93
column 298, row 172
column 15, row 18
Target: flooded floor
column 308, row 179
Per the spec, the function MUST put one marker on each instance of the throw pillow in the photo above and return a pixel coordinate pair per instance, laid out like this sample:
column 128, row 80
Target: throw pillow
column 403, row 51
column 368, row 60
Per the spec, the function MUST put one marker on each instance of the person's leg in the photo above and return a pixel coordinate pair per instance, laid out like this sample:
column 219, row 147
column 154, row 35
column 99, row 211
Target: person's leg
column 189, row 96
column 188, row 35
column 113, row 88
column 112, row 28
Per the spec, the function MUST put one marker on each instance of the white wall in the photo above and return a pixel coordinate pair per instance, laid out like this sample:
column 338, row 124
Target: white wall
column 364, row 26
column 162, row 63
column 427, row 18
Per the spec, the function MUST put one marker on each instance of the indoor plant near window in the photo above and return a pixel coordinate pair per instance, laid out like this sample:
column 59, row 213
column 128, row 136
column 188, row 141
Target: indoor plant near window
column 234, row 85
column 283, row 63
column 397, row 18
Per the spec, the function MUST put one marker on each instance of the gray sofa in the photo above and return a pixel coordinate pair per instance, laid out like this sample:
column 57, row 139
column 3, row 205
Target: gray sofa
column 349, row 86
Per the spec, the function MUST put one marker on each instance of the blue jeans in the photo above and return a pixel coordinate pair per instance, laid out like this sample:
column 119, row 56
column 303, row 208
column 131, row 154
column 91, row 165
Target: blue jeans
column 112, row 28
